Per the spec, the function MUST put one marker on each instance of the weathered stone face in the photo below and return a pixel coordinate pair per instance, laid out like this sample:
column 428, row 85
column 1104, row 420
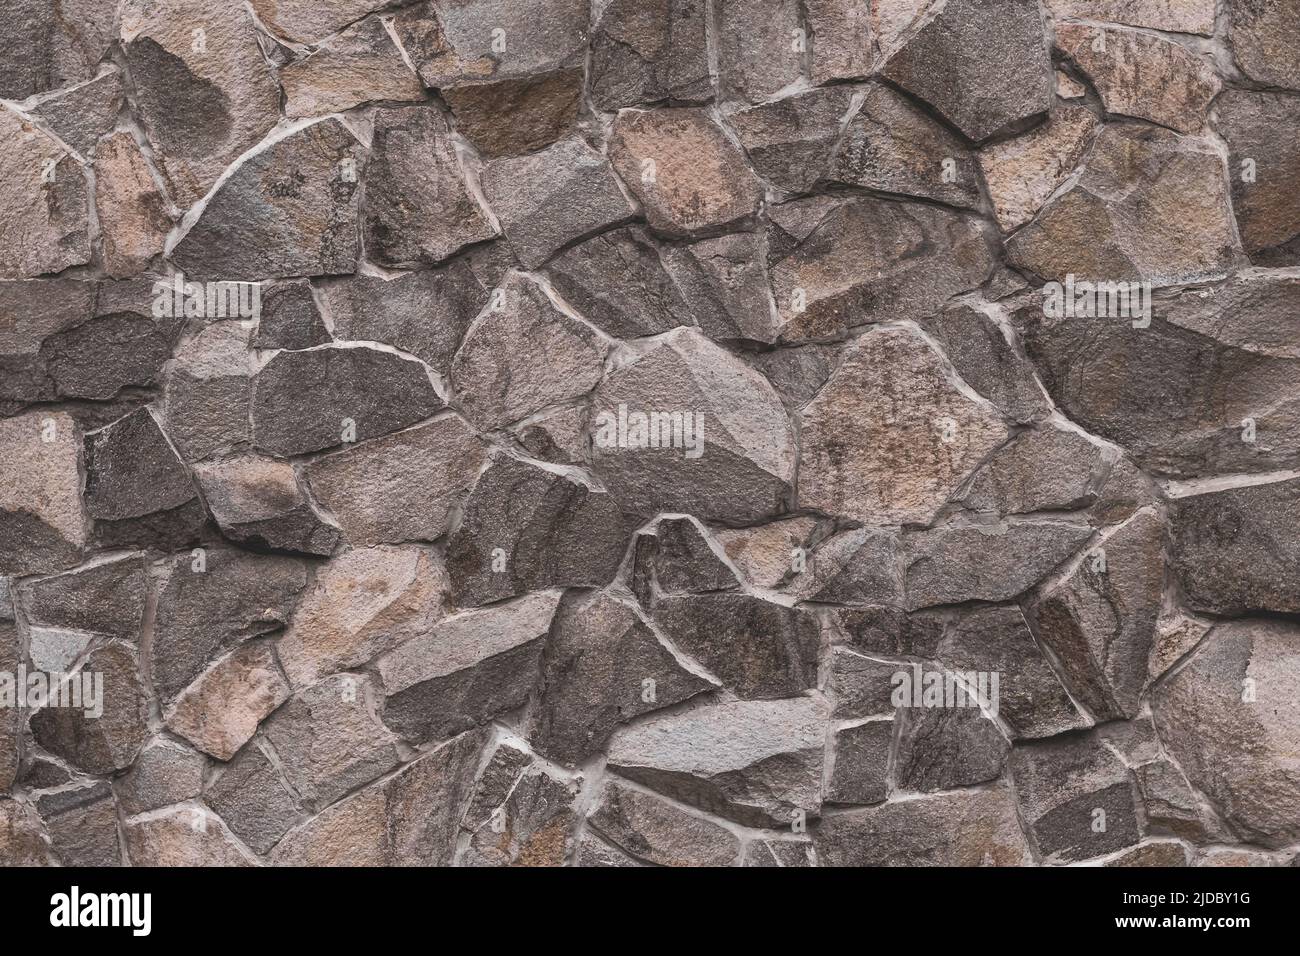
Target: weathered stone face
column 52, row 46
column 1260, row 132
column 44, row 205
column 646, row 52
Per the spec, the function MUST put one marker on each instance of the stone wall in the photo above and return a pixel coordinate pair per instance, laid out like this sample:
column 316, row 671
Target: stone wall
column 716, row 432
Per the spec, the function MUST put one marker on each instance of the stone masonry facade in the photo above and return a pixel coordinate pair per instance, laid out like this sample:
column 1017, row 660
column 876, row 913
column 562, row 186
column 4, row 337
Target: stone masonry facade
column 650, row 432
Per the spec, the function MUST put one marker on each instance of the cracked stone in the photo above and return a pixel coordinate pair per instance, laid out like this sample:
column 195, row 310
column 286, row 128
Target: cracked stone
column 83, row 114
column 791, row 141
column 860, row 260
column 524, row 355
column 1149, row 205
column 138, row 491
column 742, row 463
column 105, row 742
column 647, row 52
column 1047, row 469
column 854, row 567
column 987, row 361
column 659, row 832
column 306, row 401
column 362, row 603
column 964, row 828
column 943, row 748
column 199, row 113
column 467, row 670
column 359, row 65
column 420, row 208
column 602, row 667
column 408, row 819
column 288, row 210
column 726, row 285
column 983, row 64
column 525, row 527
column 402, row 487
column 1100, row 621
column 685, row 172
column 258, row 504
column 1022, row 173
column 1137, row 74
column 425, row 313
column 1170, row 804
column 1076, row 797
column 677, row 558
column 546, row 200
column 984, row 562
column 894, row 462
column 253, row 800
column 535, row 823
column 305, row 20
column 765, row 555
column 892, row 145
column 859, row 686
column 757, row 648
column 220, row 711
column 44, row 205
column 757, row 762
column 213, row 602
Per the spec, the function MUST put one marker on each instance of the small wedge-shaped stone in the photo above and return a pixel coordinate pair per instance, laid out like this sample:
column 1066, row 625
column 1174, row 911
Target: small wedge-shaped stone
column 1149, row 205
column 220, row 711
column 987, row 360
column 200, row 113
column 1231, row 720
column 305, row 20
column 425, row 313
column 659, row 832
column 42, row 519
column 757, row 648
column 1265, row 37
column 469, row 669
column 732, row 460
column 1022, row 173
column 791, row 141
column 251, row 797
column 419, row 208
column 165, row 773
column 526, row 527
column 133, row 219
column 106, row 597
column 287, row 210
column 1141, row 75
column 83, row 114
column 409, row 819
column 646, row 51
column 1233, row 548
column 1174, row 16
column 839, row 264
column 1263, row 151
column 137, row 488
column 524, row 354
column 603, row 667
column 1031, row 700
column 1048, row 469
column 687, row 175
column 550, row 198
column 724, row 282
column 943, row 748
column 758, row 762
column 984, row 562
column 257, row 503
column 892, row 146
column 1076, row 796
column 208, row 391
column 964, row 828
column 453, row 42
column 531, row 825
column 853, row 567
column 401, row 487
column 100, row 742
column 290, row 318
column 44, row 205
column 758, row 50
column 860, row 773
column 677, row 558
column 517, row 116
column 213, row 601
column 898, row 461
column 361, row 604
column 359, row 65
column 322, row 397
column 1100, row 621
column 328, row 740
column 983, row 64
